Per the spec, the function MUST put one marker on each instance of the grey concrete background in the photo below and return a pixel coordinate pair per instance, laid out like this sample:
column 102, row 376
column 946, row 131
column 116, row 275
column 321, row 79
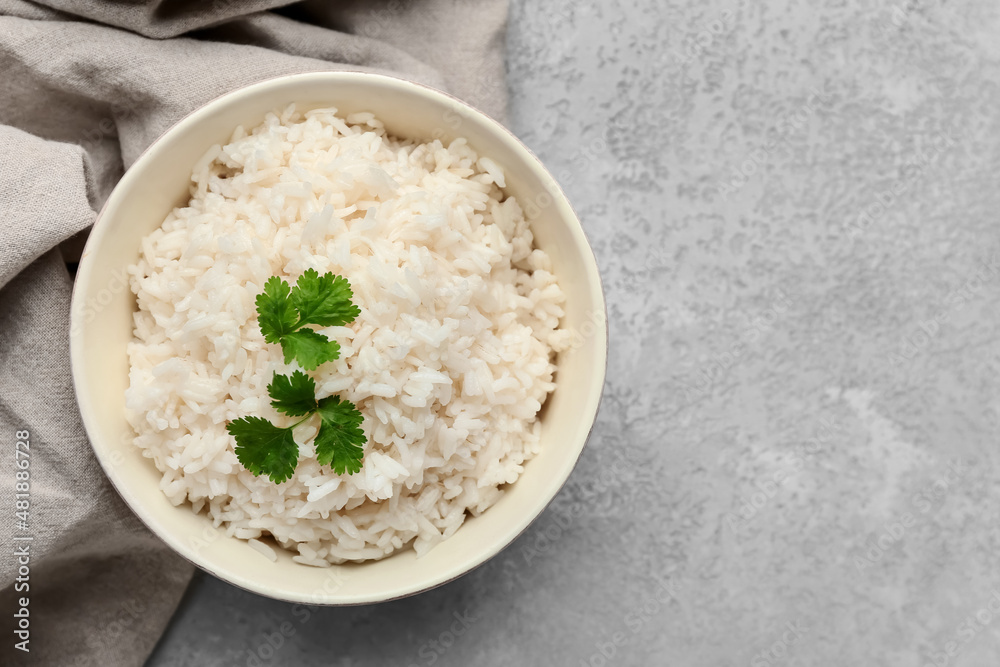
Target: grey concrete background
column 795, row 209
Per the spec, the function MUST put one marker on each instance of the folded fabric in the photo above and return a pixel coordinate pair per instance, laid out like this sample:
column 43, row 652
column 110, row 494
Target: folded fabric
column 87, row 86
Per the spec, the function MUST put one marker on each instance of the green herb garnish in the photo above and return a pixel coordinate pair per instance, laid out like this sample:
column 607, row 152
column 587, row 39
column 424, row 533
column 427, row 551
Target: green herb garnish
column 340, row 440
column 266, row 449
column 293, row 395
column 321, row 300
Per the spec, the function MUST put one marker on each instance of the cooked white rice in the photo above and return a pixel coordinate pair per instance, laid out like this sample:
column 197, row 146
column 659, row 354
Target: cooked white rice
column 450, row 360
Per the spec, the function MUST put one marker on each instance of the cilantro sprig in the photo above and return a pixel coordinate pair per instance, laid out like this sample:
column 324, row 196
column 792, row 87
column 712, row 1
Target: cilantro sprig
column 264, row 448
column 284, row 311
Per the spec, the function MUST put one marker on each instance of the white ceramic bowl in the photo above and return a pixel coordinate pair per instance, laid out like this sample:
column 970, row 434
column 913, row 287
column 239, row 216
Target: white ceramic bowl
column 101, row 327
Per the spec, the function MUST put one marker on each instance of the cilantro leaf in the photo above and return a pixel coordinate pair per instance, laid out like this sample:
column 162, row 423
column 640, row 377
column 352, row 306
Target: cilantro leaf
column 293, row 395
column 340, row 441
column 263, row 448
column 275, row 310
column 309, row 349
column 324, row 300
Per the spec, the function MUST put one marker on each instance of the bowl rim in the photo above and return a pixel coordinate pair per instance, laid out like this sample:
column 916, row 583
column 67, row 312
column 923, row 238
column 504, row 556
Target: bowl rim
column 77, row 351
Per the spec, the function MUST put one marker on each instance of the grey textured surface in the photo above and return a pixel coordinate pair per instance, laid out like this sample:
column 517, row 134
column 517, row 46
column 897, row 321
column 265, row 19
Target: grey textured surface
column 794, row 206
